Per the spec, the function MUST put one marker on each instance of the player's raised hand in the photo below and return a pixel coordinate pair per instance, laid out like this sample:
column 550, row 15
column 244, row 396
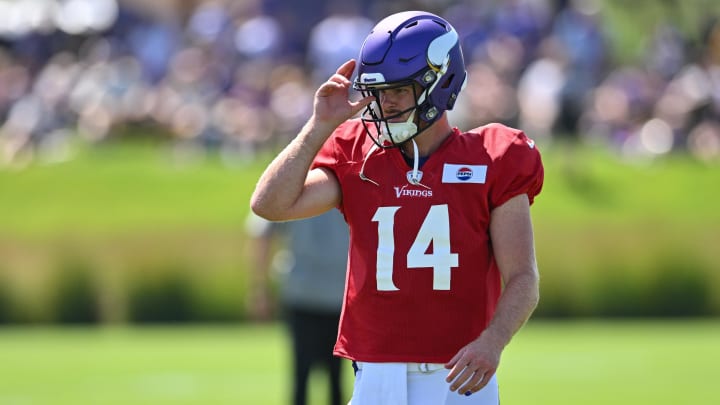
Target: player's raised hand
column 332, row 99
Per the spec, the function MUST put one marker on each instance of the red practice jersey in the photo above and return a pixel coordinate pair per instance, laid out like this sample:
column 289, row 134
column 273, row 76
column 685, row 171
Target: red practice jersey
column 422, row 281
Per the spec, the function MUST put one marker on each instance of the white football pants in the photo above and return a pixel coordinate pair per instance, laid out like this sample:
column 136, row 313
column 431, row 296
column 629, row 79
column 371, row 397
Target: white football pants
column 403, row 384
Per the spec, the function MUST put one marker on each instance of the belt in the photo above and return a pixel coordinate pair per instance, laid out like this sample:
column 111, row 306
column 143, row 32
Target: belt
column 412, row 367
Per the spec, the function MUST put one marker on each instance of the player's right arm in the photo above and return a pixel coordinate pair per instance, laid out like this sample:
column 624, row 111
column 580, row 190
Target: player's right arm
column 288, row 189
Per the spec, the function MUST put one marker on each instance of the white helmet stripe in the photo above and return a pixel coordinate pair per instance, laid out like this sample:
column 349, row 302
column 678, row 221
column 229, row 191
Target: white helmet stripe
column 438, row 53
column 438, row 56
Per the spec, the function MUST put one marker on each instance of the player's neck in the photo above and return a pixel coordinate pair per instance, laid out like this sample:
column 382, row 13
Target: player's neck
column 430, row 139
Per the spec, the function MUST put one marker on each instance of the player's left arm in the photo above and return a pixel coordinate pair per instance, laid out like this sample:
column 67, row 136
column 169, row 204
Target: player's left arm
column 513, row 243
column 513, row 246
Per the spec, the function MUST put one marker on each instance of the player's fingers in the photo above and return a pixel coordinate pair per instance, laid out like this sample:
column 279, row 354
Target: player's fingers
column 328, row 88
column 339, row 79
column 357, row 106
column 453, row 373
column 346, row 68
column 453, row 366
column 474, row 384
column 465, row 375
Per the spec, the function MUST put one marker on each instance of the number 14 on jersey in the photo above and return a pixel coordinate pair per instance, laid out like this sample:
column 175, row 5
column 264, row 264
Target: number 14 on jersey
column 435, row 230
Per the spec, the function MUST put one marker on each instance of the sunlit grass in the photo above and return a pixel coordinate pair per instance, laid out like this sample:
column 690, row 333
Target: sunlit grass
column 130, row 187
column 129, row 209
column 582, row 362
column 122, row 188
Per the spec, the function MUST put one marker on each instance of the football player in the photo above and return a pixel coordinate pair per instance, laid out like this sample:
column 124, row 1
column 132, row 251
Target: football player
column 442, row 270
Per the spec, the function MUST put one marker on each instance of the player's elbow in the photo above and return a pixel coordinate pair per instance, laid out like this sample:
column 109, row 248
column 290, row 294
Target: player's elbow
column 263, row 208
column 526, row 283
column 533, row 288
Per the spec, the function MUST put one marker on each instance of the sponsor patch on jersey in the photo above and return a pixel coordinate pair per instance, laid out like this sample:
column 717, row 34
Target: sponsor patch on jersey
column 453, row 173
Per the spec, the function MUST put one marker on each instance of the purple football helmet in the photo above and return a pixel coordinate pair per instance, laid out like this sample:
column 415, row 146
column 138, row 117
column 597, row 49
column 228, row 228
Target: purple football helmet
column 402, row 49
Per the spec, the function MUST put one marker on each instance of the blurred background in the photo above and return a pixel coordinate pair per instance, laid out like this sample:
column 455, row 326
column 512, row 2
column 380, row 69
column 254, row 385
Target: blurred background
column 132, row 134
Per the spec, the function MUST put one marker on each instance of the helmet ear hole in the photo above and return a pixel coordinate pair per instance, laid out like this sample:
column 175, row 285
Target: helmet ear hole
column 447, row 82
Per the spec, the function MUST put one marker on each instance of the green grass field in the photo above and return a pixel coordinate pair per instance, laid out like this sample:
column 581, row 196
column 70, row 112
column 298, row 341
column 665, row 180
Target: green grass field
column 129, row 211
column 580, row 362
column 129, row 207
column 130, row 187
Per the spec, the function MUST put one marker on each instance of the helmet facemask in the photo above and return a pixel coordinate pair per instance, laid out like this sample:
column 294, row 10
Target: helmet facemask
column 385, row 132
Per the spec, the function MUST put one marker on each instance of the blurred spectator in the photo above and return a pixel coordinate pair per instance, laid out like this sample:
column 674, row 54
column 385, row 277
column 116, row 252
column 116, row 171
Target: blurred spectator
column 666, row 53
column 235, row 77
column 297, row 19
column 578, row 30
column 539, row 91
column 312, row 267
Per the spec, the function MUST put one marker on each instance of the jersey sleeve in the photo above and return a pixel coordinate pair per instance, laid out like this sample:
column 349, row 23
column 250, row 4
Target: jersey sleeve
column 518, row 170
column 338, row 147
column 326, row 156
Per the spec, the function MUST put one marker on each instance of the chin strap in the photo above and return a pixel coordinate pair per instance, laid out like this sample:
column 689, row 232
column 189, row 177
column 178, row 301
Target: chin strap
column 398, row 132
column 373, row 148
column 415, row 176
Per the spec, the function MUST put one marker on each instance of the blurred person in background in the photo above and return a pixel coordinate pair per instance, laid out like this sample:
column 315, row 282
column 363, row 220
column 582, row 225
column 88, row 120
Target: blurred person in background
column 312, row 267
column 442, row 270
column 578, row 30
